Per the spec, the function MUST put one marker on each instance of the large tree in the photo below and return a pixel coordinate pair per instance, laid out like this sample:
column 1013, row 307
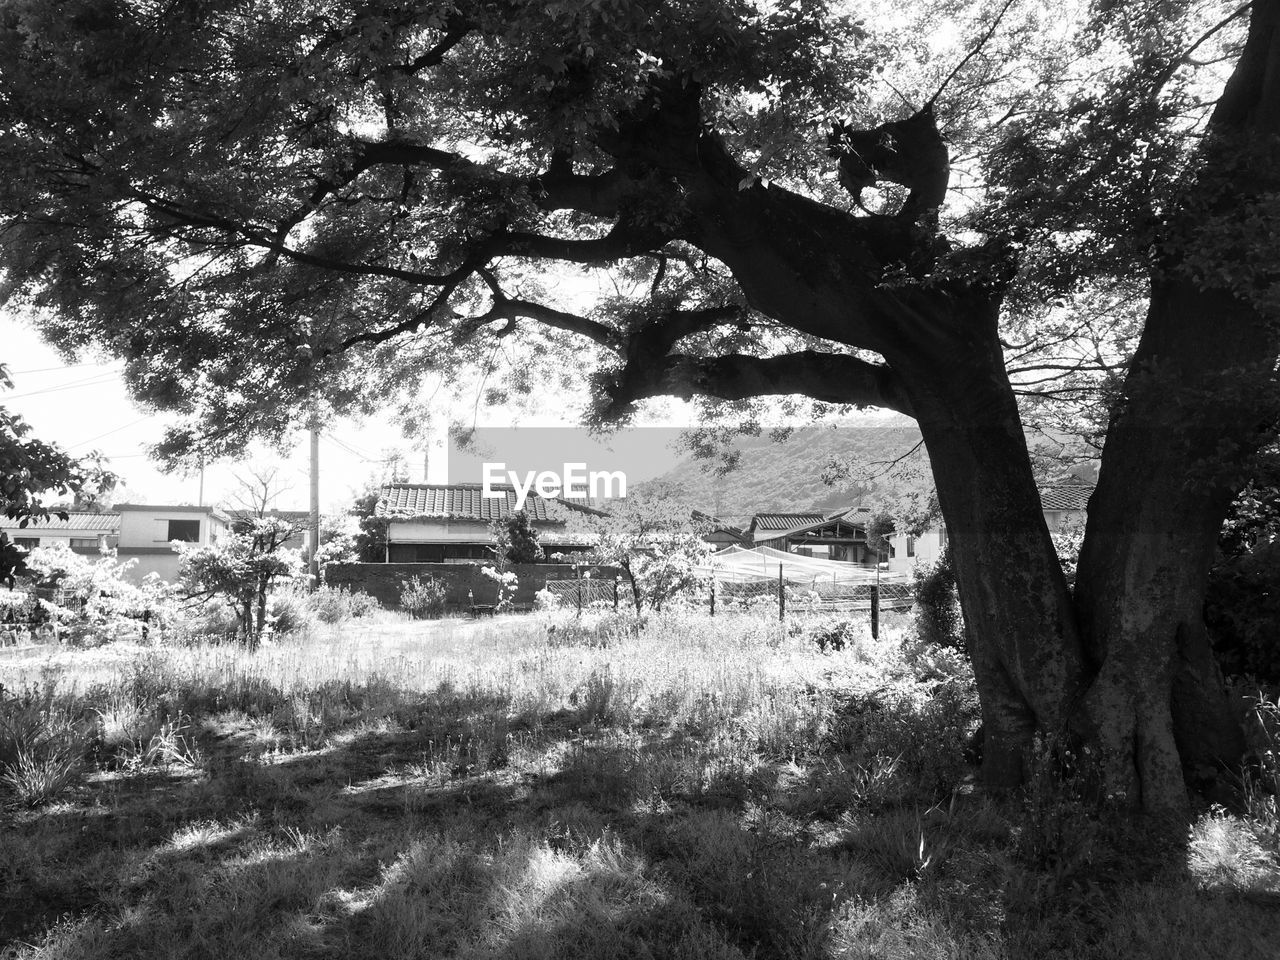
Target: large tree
column 263, row 207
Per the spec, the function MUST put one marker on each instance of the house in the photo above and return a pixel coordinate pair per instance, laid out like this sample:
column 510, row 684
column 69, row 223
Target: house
column 1064, row 504
column 83, row 532
column 147, row 532
column 720, row 533
column 837, row 536
column 449, row 523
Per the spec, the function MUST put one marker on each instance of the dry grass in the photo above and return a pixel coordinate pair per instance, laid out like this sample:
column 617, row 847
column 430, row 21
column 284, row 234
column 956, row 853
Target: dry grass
column 700, row 788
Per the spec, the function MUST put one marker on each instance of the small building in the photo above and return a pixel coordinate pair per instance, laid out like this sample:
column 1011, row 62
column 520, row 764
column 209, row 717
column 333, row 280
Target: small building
column 1065, row 505
column 838, row 536
column 450, row 523
column 82, row 531
column 720, row 534
column 148, row 531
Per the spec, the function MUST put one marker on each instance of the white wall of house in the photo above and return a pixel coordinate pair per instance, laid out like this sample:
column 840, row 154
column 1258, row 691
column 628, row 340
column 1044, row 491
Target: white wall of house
column 924, row 549
column 147, row 532
column 438, row 531
column 82, row 541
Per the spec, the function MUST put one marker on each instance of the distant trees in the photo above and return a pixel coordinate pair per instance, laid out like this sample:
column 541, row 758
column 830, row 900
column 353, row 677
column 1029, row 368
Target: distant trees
column 30, row 469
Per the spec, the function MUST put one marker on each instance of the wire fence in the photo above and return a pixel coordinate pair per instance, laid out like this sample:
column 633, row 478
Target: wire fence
column 859, row 593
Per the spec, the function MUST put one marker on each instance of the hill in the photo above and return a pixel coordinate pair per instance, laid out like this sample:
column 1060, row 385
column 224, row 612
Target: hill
column 788, row 476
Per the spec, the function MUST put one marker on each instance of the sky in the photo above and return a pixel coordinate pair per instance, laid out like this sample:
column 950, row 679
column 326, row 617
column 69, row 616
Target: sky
column 83, row 406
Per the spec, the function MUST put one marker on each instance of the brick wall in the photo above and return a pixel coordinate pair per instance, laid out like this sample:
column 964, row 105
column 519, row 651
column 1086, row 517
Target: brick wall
column 382, row 580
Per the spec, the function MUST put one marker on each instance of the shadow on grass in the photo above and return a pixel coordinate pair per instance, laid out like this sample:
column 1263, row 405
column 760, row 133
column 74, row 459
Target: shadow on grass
column 442, row 825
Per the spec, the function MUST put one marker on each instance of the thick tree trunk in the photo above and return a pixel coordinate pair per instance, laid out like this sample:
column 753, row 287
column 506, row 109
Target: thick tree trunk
column 1169, row 471
column 1026, row 650
column 1197, row 405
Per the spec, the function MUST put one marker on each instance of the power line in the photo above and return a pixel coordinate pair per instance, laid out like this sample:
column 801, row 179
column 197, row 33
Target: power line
column 65, row 366
column 94, row 381
column 109, row 432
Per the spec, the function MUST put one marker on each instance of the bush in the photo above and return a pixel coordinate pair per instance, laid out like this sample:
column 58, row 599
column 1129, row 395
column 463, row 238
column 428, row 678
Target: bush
column 214, row 620
column 939, row 620
column 363, row 605
column 422, row 597
column 339, row 604
column 289, row 614
column 41, row 751
column 1242, row 610
column 834, row 634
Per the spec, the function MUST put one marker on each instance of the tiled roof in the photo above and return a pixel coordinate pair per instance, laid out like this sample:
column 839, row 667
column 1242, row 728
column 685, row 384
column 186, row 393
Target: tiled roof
column 466, row 501
column 785, row 521
column 102, row 522
column 1066, row 496
column 293, row 516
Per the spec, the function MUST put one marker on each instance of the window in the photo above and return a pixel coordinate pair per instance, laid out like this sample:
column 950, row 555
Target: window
column 26, row 543
column 188, row 531
column 911, row 546
column 85, row 543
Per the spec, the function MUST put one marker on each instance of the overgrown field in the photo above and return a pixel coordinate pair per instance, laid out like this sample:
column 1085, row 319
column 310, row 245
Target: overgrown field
column 529, row 788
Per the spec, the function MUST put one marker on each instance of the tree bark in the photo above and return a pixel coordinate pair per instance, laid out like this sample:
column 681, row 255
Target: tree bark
column 1198, row 404
column 1026, row 650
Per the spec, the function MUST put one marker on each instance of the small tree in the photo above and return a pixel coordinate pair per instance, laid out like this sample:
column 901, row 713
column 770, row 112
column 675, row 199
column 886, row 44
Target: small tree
column 241, row 567
column 338, row 540
column 515, row 540
column 370, row 537
column 654, row 540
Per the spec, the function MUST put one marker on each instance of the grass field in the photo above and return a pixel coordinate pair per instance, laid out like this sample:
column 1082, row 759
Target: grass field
column 700, row 788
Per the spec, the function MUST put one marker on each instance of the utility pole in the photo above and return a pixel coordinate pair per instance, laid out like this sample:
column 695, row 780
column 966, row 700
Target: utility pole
column 313, row 565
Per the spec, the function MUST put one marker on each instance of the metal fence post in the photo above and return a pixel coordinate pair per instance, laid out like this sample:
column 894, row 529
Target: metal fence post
column 713, row 594
column 875, row 611
column 579, row 596
column 782, row 596
column 615, row 594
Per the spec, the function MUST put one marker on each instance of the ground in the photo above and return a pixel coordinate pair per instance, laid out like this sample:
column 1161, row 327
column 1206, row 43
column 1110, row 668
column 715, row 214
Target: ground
column 529, row 788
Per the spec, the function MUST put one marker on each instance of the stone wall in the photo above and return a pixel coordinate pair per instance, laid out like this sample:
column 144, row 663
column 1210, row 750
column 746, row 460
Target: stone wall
column 382, row 580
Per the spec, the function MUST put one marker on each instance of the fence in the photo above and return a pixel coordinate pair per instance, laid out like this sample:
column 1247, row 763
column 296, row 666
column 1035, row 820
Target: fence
column 859, row 592
column 584, row 592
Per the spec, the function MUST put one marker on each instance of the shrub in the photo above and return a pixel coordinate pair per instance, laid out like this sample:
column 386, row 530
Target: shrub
column 1242, row 610
column 330, row 605
column 363, row 605
column 289, row 614
column 422, row 597
column 939, row 620
column 214, row 620
column 834, row 634
column 41, row 751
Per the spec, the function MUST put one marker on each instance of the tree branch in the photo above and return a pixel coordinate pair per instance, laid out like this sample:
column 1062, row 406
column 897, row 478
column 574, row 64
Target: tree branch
column 829, row 377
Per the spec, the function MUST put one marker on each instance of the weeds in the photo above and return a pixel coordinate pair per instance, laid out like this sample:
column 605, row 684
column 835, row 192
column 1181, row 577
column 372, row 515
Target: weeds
column 683, row 787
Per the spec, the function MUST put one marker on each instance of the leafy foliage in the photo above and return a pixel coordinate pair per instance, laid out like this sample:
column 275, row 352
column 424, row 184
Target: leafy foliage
column 515, row 540
column 656, row 542
column 30, row 470
column 423, row 597
column 241, row 567
column 938, row 618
